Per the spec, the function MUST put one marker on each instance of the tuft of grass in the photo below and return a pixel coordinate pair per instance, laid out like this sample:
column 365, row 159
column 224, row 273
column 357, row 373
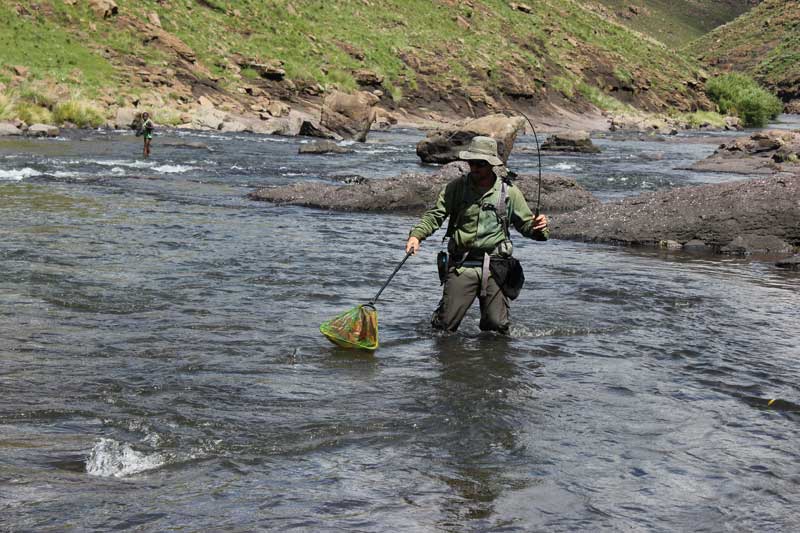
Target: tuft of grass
column 738, row 94
column 79, row 113
column 699, row 118
column 601, row 100
column 6, row 107
column 563, row 85
column 32, row 113
column 250, row 74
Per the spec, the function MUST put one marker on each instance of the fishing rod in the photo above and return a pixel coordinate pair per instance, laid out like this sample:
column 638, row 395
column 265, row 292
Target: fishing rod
column 539, row 155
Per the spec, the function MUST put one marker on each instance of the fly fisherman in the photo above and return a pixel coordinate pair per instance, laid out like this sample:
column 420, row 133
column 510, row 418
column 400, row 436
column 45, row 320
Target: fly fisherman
column 480, row 207
column 146, row 129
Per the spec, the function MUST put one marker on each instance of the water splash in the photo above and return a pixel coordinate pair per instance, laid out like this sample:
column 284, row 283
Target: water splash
column 18, row 174
column 110, row 458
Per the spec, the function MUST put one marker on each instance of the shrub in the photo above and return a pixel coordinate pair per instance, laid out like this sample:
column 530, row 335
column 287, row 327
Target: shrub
column 78, row 112
column 740, row 95
column 33, row 114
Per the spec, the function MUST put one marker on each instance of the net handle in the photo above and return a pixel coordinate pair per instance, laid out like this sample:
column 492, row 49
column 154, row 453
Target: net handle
column 375, row 299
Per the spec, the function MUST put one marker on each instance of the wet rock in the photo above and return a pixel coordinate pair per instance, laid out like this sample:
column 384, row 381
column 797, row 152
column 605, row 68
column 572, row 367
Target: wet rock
column 757, row 244
column 349, row 115
column 765, row 152
column 323, row 147
column 738, row 217
column 42, row 130
column 792, row 263
column 9, row 129
column 443, row 146
column 733, row 124
column 573, row 141
column 186, row 145
column 415, row 192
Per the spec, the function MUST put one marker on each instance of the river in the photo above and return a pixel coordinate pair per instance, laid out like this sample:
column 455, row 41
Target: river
column 161, row 367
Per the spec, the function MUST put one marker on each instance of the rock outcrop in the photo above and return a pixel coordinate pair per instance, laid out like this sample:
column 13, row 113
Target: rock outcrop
column 414, row 192
column 753, row 216
column 442, row 146
column 349, row 115
column 572, row 141
column 767, row 152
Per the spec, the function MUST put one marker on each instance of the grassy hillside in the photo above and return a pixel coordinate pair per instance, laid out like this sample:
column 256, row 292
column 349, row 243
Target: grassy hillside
column 764, row 43
column 675, row 22
column 463, row 56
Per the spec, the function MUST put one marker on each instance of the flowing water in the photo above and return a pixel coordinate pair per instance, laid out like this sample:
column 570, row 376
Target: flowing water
column 161, row 368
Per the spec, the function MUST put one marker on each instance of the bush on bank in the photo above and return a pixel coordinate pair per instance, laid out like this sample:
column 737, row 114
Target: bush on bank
column 738, row 94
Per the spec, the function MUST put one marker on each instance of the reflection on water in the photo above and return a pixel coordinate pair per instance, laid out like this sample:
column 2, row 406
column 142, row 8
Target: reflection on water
column 161, row 366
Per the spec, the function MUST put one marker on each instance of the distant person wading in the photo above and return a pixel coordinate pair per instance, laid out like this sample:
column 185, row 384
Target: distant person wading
column 479, row 260
column 146, row 130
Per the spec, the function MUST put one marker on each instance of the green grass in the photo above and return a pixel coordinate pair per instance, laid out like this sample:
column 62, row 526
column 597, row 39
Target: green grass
column 699, row 118
column 740, row 95
column 601, row 100
column 43, row 46
column 79, row 113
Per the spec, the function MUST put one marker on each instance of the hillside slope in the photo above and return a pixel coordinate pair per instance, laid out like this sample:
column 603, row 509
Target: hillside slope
column 675, row 22
column 764, row 43
column 461, row 57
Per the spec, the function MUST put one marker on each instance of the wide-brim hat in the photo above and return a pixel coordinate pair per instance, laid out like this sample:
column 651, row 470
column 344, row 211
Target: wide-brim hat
column 483, row 149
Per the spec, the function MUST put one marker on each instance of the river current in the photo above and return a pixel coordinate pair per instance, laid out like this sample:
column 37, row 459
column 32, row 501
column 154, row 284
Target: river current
column 161, row 367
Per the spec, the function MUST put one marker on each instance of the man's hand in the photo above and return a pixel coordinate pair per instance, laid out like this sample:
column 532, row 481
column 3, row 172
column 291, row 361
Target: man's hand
column 540, row 222
column 412, row 245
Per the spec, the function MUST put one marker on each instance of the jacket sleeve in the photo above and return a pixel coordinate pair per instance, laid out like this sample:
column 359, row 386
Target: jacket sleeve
column 522, row 217
column 433, row 218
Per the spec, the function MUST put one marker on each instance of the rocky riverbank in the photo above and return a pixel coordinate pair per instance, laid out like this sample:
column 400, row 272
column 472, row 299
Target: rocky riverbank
column 769, row 152
column 751, row 216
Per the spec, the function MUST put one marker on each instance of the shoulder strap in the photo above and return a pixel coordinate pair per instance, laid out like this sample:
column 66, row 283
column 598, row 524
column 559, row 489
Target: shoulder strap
column 502, row 209
column 455, row 216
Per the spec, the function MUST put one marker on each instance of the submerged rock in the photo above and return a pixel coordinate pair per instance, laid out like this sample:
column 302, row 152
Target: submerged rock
column 443, row 146
column 792, row 263
column 753, row 216
column 415, row 192
column 572, row 141
column 765, row 152
column 323, row 147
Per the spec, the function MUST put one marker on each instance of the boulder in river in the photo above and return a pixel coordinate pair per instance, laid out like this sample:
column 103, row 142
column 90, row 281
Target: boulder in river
column 42, row 130
column 442, row 146
column 349, row 115
column 571, row 141
column 764, row 152
column 752, row 216
column 9, row 129
column 323, row 147
column 415, row 192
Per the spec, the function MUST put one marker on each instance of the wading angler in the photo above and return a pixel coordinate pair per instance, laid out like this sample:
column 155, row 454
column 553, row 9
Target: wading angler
column 480, row 206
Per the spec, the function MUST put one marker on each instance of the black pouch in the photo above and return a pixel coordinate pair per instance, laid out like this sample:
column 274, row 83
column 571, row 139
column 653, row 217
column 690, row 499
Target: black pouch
column 507, row 272
column 441, row 266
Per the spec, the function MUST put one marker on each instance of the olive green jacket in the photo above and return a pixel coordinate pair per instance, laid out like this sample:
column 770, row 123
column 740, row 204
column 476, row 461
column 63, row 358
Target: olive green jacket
column 477, row 229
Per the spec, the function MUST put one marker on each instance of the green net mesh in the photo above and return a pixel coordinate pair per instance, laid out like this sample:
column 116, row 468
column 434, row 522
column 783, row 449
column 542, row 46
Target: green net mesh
column 356, row 328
